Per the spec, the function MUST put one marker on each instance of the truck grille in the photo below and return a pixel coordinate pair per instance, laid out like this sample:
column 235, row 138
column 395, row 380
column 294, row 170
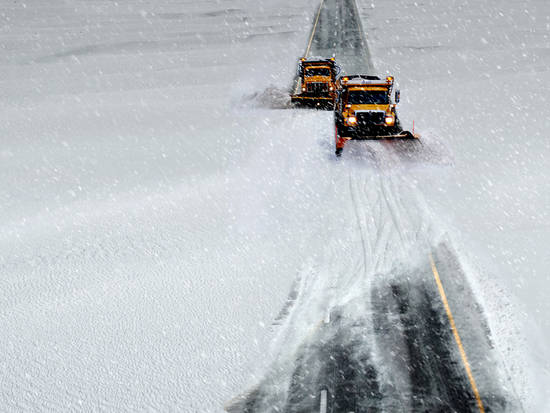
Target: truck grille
column 369, row 118
column 317, row 87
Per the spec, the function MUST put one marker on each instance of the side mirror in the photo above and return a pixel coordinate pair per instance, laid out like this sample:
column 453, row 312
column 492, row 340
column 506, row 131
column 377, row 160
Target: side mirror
column 397, row 96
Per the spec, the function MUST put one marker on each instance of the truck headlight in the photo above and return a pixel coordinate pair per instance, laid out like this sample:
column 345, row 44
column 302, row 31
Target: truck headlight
column 351, row 121
column 390, row 120
column 303, row 88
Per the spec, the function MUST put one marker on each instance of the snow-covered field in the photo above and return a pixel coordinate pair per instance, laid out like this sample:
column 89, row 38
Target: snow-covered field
column 150, row 228
column 155, row 210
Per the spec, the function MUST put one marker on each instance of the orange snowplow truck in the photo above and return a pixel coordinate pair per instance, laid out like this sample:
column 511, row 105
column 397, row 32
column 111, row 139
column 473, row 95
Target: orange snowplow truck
column 364, row 109
column 316, row 84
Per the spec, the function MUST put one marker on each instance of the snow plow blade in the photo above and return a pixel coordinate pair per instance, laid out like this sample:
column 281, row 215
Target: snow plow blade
column 400, row 135
column 312, row 101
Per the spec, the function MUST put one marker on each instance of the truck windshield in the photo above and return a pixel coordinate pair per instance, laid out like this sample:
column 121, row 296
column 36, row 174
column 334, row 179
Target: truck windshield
column 368, row 97
column 317, row 71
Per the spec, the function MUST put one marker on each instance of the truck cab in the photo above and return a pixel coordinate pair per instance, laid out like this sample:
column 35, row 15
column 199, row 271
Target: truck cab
column 316, row 83
column 364, row 109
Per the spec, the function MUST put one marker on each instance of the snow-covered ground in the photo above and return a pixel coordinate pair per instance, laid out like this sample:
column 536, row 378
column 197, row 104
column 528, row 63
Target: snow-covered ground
column 155, row 211
column 150, row 220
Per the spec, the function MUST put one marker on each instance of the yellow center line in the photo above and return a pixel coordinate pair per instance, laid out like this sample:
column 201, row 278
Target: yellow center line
column 314, row 28
column 311, row 40
column 456, row 335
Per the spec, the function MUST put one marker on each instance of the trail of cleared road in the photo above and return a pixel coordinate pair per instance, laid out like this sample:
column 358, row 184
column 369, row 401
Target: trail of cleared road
column 370, row 329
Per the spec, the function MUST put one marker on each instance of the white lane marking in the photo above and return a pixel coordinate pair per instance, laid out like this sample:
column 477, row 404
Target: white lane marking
column 324, row 402
column 327, row 316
